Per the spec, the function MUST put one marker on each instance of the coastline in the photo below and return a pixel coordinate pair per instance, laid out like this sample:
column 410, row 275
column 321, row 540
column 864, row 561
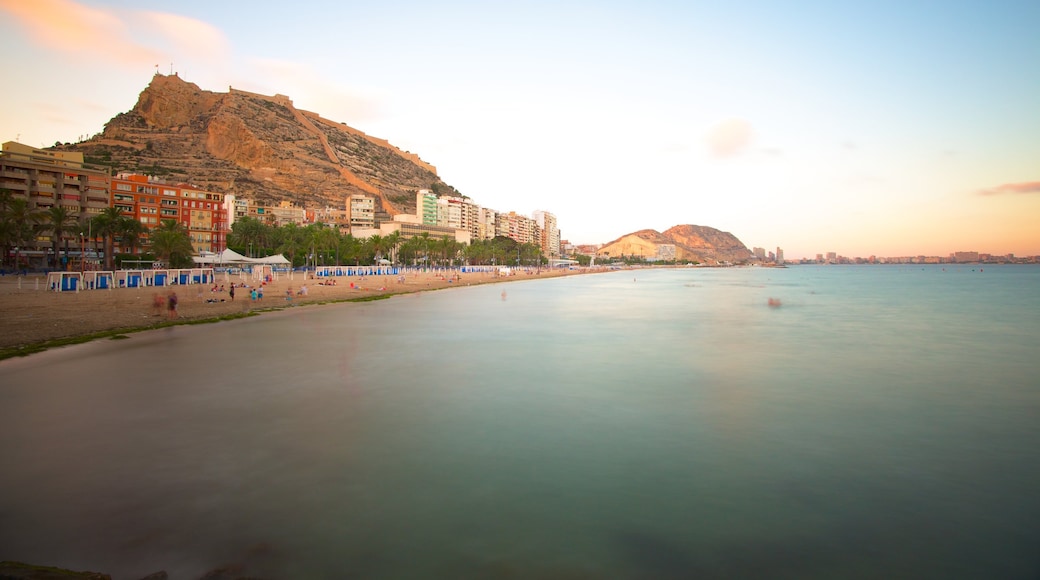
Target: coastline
column 36, row 319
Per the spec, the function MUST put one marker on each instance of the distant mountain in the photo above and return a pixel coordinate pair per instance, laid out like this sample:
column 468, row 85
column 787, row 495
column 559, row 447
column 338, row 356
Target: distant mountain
column 690, row 242
column 256, row 146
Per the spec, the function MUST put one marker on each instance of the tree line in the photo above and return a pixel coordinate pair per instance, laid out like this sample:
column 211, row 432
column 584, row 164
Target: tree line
column 322, row 245
column 21, row 225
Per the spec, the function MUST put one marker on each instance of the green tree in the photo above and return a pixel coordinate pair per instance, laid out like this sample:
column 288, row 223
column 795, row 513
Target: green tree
column 170, row 243
column 350, row 249
column 325, row 242
column 106, row 225
column 393, row 241
column 59, row 222
column 375, row 246
column 249, row 236
column 130, row 232
column 291, row 240
column 20, row 221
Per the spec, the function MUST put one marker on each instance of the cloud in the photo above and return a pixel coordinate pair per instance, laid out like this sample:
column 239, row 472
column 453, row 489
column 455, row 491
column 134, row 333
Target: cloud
column 1025, row 187
column 188, row 36
column 729, row 138
column 79, row 31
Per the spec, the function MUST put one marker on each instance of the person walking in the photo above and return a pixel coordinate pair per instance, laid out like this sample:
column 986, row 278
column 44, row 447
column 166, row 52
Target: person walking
column 171, row 305
column 231, row 292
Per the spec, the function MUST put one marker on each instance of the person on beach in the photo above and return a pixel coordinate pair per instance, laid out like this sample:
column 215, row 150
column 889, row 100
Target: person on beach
column 157, row 304
column 252, row 294
column 171, row 305
column 232, row 292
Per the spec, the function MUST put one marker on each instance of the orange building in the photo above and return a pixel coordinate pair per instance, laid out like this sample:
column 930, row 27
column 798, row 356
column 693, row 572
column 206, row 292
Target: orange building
column 152, row 201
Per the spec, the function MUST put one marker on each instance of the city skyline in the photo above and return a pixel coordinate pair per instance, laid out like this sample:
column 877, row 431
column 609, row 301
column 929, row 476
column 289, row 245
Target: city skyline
column 882, row 129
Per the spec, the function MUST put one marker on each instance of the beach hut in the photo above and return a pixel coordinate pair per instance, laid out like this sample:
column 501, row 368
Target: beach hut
column 129, row 278
column 98, row 280
column 202, row 276
column 157, row 277
column 64, row 281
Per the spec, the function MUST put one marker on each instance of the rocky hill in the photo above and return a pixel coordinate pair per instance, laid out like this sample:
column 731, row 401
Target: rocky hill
column 255, row 146
column 690, row 243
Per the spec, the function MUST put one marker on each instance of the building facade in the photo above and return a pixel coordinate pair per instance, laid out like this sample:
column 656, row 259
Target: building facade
column 152, row 201
column 46, row 179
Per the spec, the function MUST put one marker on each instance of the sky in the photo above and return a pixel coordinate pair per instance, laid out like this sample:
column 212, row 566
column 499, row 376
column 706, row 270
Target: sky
column 864, row 128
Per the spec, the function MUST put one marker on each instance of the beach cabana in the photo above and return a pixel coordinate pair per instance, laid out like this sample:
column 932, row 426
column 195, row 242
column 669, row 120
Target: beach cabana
column 129, row 278
column 64, row 281
column 156, row 277
column 98, row 280
column 202, row 276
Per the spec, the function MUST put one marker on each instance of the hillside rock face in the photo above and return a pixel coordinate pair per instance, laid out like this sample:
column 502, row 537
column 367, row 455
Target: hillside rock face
column 255, row 146
column 690, row 243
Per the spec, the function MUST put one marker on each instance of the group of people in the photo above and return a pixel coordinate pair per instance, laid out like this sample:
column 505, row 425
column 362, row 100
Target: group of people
column 170, row 302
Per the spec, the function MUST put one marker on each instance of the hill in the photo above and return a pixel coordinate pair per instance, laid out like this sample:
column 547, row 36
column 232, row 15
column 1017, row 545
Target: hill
column 256, row 146
column 682, row 242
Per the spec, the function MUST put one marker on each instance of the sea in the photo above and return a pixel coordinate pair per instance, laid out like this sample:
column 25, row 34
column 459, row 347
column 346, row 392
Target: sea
column 875, row 421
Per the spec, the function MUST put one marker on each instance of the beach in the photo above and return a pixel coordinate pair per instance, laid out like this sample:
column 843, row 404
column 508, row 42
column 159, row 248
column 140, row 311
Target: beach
column 32, row 314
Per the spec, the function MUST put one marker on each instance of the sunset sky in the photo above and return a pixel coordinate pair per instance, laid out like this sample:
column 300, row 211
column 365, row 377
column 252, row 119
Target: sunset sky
column 885, row 128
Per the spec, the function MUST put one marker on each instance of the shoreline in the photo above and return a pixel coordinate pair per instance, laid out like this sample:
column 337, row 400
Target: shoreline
column 35, row 319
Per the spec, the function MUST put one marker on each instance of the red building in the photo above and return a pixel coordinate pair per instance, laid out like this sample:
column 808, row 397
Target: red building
column 152, row 201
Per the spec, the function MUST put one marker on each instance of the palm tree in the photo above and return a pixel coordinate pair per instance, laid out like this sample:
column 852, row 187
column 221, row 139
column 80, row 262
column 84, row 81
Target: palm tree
column 292, row 238
column 20, row 222
column 248, row 233
column 324, row 240
column 350, row 248
column 393, row 240
column 106, row 225
column 60, row 222
column 424, row 243
column 130, row 233
column 6, row 224
column 170, row 243
column 376, row 246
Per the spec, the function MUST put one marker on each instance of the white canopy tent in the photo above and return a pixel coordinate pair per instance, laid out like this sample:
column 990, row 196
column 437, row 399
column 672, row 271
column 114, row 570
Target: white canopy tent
column 233, row 258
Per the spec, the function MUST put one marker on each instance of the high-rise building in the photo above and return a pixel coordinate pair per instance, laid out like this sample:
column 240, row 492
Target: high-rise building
column 362, row 211
column 779, row 256
column 426, row 207
column 549, row 233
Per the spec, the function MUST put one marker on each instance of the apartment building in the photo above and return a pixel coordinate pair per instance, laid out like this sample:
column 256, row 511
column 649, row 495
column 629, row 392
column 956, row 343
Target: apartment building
column 362, row 211
column 151, row 201
column 518, row 227
column 51, row 178
column 549, row 234
column 426, row 207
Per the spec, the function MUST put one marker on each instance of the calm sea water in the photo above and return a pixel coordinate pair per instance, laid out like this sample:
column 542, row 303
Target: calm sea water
column 883, row 422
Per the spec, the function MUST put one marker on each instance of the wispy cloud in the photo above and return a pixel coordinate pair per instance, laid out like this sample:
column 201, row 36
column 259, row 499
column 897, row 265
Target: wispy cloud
column 74, row 29
column 729, row 138
column 1024, row 187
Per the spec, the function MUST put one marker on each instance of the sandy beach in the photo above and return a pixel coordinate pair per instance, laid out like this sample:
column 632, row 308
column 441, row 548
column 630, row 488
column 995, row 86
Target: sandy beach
column 30, row 314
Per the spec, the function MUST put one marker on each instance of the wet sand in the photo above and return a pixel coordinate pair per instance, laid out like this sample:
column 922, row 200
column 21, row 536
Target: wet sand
column 31, row 314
